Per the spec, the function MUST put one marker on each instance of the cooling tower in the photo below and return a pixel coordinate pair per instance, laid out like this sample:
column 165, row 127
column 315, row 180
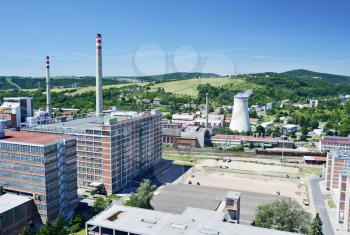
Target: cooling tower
column 240, row 114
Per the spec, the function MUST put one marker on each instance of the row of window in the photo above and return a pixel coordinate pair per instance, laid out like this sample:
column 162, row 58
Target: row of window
column 21, row 147
column 21, row 176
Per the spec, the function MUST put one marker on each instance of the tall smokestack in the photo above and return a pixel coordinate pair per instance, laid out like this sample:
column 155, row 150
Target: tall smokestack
column 48, row 88
column 99, row 96
column 207, row 110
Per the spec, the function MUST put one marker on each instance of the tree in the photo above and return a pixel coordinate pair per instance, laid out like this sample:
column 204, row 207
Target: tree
column 260, row 129
column 285, row 215
column 142, row 197
column 26, row 231
column 56, row 228
column 76, row 223
column 100, row 204
column 316, row 226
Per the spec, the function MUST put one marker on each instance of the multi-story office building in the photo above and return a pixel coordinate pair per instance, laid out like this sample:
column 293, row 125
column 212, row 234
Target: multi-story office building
column 16, row 110
column 123, row 220
column 334, row 143
column 16, row 211
column 112, row 151
column 337, row 181
column 336, row 162
column 42, row 166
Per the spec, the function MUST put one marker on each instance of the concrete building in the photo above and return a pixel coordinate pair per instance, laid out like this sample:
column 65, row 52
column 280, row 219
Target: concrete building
column 16, row 211
column 334, row 143
column 123, row 220
column 267, row 142
column 233, row 206
column 188, row 137
column 42, row 166
column 111, row 151
column 191, row 119
column 337, row 181
column 16, row 110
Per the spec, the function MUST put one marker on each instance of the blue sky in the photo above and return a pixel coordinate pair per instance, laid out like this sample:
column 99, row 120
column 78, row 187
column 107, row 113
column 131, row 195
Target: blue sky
column 143, row 37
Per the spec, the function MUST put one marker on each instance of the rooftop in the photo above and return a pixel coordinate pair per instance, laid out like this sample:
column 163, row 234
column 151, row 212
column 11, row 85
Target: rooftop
column 247, row 138
column 192, row 221
column 9, row 201
column 29, row 137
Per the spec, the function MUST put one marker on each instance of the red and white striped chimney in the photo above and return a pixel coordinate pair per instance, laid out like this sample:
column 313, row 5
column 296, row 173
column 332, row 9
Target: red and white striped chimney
column 99, row 95
column 48, row 87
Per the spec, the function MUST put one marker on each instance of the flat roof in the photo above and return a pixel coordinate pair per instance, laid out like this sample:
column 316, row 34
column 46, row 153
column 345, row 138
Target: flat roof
column 247, row 138
column 9, row 201
column 29, row 137
column 192, row 221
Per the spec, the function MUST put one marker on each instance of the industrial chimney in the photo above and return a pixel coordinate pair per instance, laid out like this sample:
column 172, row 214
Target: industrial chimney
column 240, row 114
column 207, row 110
column 99, row 96
column 48, row 88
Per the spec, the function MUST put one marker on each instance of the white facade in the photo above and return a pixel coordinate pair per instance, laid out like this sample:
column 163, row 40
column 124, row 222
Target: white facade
column 240, row 115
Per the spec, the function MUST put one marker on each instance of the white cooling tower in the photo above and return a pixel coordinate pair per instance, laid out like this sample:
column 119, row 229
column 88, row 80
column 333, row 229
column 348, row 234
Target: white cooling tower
column 240, row 114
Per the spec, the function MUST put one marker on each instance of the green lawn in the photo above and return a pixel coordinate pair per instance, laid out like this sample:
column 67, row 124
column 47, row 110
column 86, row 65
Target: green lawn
column 311, row 170
column 81, row 232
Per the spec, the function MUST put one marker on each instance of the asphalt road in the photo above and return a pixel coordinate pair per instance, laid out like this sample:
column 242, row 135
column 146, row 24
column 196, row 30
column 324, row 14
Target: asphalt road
column 321, row 206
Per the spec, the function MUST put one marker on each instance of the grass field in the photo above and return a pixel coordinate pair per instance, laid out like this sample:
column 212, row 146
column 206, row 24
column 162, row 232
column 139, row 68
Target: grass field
column 189, row 87
column 311, row 170
column 81, row 90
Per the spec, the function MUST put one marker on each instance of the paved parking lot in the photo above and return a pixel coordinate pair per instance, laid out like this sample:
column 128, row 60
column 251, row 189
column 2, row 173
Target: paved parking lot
column 174, row 198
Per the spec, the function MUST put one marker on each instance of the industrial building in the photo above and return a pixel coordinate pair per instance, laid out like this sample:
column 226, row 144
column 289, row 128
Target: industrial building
column 337, row 181
column 199, row 119
column 266, row 142
column 186, row 137
column 16, row 212
column 240, row 113
column 124, row 220
column 111, row 151
column 42, row 166
column 334, row 143
column 15, row 110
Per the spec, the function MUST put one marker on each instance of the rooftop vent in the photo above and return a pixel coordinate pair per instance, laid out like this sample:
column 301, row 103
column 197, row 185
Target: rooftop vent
column 179, row 226
column 149, row 221
column 208, row 231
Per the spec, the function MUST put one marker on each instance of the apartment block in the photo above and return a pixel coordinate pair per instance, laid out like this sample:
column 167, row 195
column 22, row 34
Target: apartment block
column 112, row 150
column 42, row 166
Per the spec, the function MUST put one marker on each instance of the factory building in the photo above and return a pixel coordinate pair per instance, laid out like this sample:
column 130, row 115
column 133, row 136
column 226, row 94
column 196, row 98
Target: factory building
column 193, row 221
column 240, row 113
column 111, row 151
column 334, row 143
column 16, row 110
column 266, row 142
column 16, row 212
column 42, row 166
column 192, row 119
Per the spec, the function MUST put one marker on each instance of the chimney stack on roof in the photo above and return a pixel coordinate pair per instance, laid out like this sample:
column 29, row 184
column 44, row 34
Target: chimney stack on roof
column 48, row 88
column 99, row 95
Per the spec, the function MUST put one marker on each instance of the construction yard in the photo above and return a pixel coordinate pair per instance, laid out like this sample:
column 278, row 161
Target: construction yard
column 260, row 180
